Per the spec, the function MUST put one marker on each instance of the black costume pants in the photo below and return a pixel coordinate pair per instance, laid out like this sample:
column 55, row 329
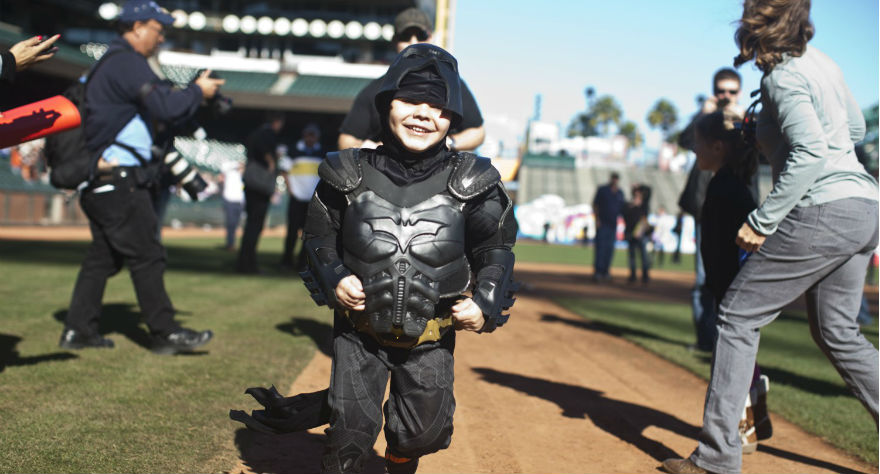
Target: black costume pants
column 419, row 410
column 296, row 219
column 256, row 206
column 123, row 225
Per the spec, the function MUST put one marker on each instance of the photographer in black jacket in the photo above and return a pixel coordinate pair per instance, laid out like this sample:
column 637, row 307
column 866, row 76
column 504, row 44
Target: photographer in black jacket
column 124, row 97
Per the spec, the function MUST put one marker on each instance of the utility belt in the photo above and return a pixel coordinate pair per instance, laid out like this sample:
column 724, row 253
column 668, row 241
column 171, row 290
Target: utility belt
column 435, row 329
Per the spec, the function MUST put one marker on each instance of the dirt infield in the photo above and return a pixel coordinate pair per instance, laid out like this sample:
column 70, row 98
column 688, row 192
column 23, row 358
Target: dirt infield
column 547, row 395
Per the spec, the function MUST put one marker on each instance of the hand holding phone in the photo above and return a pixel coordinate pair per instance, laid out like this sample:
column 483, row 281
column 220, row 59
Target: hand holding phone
column 33, row 50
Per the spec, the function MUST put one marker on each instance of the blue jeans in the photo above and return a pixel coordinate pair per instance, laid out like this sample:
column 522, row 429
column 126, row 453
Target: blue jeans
column 232, row 210
column 638, row 246
column 821, row 251
column 605, row 236
column 702, row 302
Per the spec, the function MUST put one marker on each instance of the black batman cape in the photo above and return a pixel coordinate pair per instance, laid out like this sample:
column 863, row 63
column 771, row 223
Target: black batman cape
column 285, row 414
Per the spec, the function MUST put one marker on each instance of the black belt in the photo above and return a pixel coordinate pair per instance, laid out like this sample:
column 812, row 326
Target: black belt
column 114, row 174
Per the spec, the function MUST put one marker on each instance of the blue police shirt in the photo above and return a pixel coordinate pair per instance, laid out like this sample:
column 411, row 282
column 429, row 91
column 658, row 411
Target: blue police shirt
column 123, row 96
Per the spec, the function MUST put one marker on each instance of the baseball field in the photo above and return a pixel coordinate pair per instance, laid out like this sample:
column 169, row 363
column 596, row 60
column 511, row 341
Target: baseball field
column 584, row 378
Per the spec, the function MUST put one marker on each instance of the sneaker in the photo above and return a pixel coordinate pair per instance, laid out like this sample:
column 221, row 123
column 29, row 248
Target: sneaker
column 763, row 427
column 182, row 340
column 747, row 429
column 72, row 339
column 682, row 466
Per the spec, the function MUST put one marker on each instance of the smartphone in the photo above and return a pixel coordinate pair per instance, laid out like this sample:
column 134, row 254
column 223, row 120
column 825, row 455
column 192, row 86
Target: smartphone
column 49, row 51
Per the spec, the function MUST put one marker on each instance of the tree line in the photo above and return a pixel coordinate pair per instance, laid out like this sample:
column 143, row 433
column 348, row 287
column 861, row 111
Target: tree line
column 604, row 115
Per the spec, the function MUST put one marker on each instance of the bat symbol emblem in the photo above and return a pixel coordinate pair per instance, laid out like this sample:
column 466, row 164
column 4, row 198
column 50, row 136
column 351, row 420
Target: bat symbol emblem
column 404, row 231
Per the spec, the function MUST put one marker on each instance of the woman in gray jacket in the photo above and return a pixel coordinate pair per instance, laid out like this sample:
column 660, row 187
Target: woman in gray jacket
column 814, row 234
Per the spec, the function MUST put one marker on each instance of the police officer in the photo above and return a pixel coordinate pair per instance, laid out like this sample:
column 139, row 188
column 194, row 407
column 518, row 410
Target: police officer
column 124, row 96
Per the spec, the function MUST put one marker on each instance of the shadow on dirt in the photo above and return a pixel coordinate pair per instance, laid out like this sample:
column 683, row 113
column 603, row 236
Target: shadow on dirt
column 295, row 453
column 627, row 421
column 776, row 375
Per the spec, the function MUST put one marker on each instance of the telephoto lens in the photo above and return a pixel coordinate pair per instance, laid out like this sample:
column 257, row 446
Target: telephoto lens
column 185, row 174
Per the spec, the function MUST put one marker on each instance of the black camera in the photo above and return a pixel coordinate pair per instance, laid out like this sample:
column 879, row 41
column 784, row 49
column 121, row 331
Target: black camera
column 220, row 105
column 185, row 174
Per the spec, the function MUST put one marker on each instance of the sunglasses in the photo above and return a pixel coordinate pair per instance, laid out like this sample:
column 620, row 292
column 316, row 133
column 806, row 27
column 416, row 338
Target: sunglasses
column 412, row 52
column 408, row 33
column 726, row 91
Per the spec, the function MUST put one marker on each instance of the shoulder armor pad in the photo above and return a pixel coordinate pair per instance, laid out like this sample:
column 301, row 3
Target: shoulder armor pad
column 471, row 176
column 342, row 170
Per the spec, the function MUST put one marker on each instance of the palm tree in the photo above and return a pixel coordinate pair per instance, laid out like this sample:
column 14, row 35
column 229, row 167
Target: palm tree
column 663, row 115
column 606, row 111
column 633, row 136
column 598, row 118
column 582, row 125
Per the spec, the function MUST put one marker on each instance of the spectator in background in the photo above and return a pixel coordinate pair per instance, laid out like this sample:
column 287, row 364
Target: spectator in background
column 301, row 175
column 262, row 151
column 726, row 85
column 607, row 206
column 635, row 218
column 362, row 127
column 233, row 199
column 31, row 153
column 677, row 229
column 661, row 227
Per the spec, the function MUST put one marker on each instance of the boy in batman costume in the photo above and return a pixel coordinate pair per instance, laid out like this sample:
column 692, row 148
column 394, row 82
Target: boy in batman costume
column 394, row 237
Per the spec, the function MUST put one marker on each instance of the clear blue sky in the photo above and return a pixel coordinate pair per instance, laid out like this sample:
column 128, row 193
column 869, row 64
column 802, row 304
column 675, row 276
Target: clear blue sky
column 637, row 51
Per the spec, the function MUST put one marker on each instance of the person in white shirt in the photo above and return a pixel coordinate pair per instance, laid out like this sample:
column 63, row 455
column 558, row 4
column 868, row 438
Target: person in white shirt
column 301, row 175
column 233, row 199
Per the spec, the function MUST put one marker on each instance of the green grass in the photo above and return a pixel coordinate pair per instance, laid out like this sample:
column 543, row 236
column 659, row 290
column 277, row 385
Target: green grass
column 126, row 409
column 535, row 251
column 804, row 387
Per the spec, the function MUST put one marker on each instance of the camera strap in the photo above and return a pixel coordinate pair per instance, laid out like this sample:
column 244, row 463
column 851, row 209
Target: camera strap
column 143, row 161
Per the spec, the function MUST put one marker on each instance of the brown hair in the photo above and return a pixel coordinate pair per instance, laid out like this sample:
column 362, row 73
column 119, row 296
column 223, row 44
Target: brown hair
column 725, row 74
column 726, row 125
column 769, row 28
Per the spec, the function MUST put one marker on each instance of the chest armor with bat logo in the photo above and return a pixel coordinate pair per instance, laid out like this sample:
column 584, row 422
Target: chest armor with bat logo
column 407, row 245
